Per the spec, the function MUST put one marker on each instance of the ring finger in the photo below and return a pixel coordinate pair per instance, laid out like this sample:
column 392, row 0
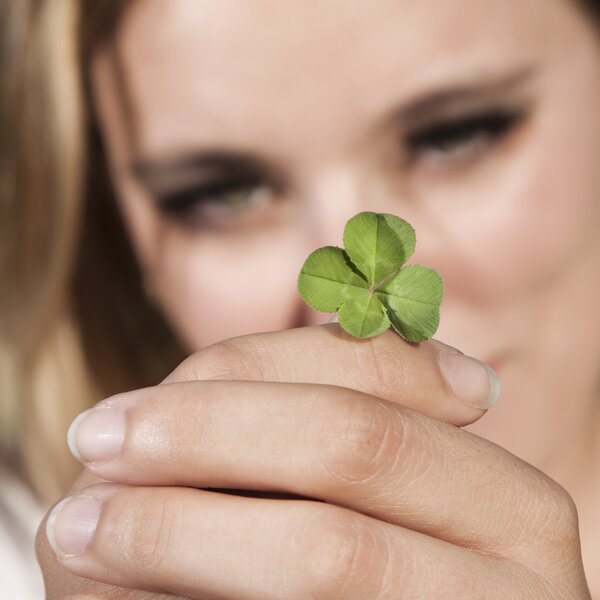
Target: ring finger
column 204, row 545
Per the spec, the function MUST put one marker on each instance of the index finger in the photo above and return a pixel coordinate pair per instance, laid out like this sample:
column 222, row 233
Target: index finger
column 429, row 377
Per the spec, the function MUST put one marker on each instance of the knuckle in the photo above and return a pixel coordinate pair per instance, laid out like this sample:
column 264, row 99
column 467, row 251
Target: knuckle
column 549, row 518
column 360, row 439
column 145, row 530
column 223, row 360
column 226, row 360
column 558, row 515
column 385, row 374
column 339, row 557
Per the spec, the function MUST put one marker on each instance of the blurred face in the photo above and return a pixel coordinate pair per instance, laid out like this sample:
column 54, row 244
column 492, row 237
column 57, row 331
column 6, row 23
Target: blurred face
column 243, row 135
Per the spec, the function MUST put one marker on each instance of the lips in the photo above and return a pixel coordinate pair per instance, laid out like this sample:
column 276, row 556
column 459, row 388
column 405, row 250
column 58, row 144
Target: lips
column 498, row 362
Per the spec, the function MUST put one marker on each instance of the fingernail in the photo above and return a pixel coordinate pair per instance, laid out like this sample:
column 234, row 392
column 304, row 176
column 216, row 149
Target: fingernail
column 97, row 435
column 71, row 525
column 474, row 382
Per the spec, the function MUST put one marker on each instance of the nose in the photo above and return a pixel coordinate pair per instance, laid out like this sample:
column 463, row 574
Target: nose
column 332, row 198
column 309, row 316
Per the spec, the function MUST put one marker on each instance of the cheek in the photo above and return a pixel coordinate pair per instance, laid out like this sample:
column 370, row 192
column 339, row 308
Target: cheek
column 516, row 233
column 217, row 287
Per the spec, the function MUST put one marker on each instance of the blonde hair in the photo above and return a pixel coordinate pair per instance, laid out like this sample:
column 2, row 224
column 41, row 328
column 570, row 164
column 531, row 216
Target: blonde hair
column 75, row 325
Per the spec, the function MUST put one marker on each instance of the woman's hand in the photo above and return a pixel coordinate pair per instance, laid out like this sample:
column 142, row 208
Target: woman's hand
column 362, row 484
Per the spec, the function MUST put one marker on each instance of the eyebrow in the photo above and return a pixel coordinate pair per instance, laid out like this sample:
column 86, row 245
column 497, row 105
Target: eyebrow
column 156, row 173
column 160, row 173
column 456, row 99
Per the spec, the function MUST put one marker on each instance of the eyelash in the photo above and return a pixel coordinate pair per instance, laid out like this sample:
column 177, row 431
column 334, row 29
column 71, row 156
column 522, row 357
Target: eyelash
column 444, row 139
column 182, row 204
column 441, row 142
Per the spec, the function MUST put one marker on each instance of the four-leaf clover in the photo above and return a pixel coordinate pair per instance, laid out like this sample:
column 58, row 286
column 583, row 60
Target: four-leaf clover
column 369, row 285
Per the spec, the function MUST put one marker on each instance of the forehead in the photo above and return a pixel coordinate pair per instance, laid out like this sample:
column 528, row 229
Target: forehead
column 227, row 71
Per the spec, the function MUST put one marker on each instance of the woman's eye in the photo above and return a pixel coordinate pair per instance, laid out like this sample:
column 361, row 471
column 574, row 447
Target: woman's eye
column 461, row 140
column 214, row 205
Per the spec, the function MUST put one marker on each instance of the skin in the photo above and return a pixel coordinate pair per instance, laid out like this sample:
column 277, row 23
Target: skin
column 326, row 100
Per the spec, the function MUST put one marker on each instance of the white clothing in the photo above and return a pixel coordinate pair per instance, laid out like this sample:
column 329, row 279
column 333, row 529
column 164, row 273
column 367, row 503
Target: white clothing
column 20, row 515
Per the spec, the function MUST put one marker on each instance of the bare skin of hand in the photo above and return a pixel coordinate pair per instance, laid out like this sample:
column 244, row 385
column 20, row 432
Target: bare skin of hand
column 359, row 483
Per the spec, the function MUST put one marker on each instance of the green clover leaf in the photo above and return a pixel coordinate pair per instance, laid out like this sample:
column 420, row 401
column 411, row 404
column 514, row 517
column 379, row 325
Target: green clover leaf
column 369, row 285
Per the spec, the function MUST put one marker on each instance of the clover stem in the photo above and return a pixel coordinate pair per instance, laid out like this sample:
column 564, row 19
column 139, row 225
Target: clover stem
column 373, row 289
